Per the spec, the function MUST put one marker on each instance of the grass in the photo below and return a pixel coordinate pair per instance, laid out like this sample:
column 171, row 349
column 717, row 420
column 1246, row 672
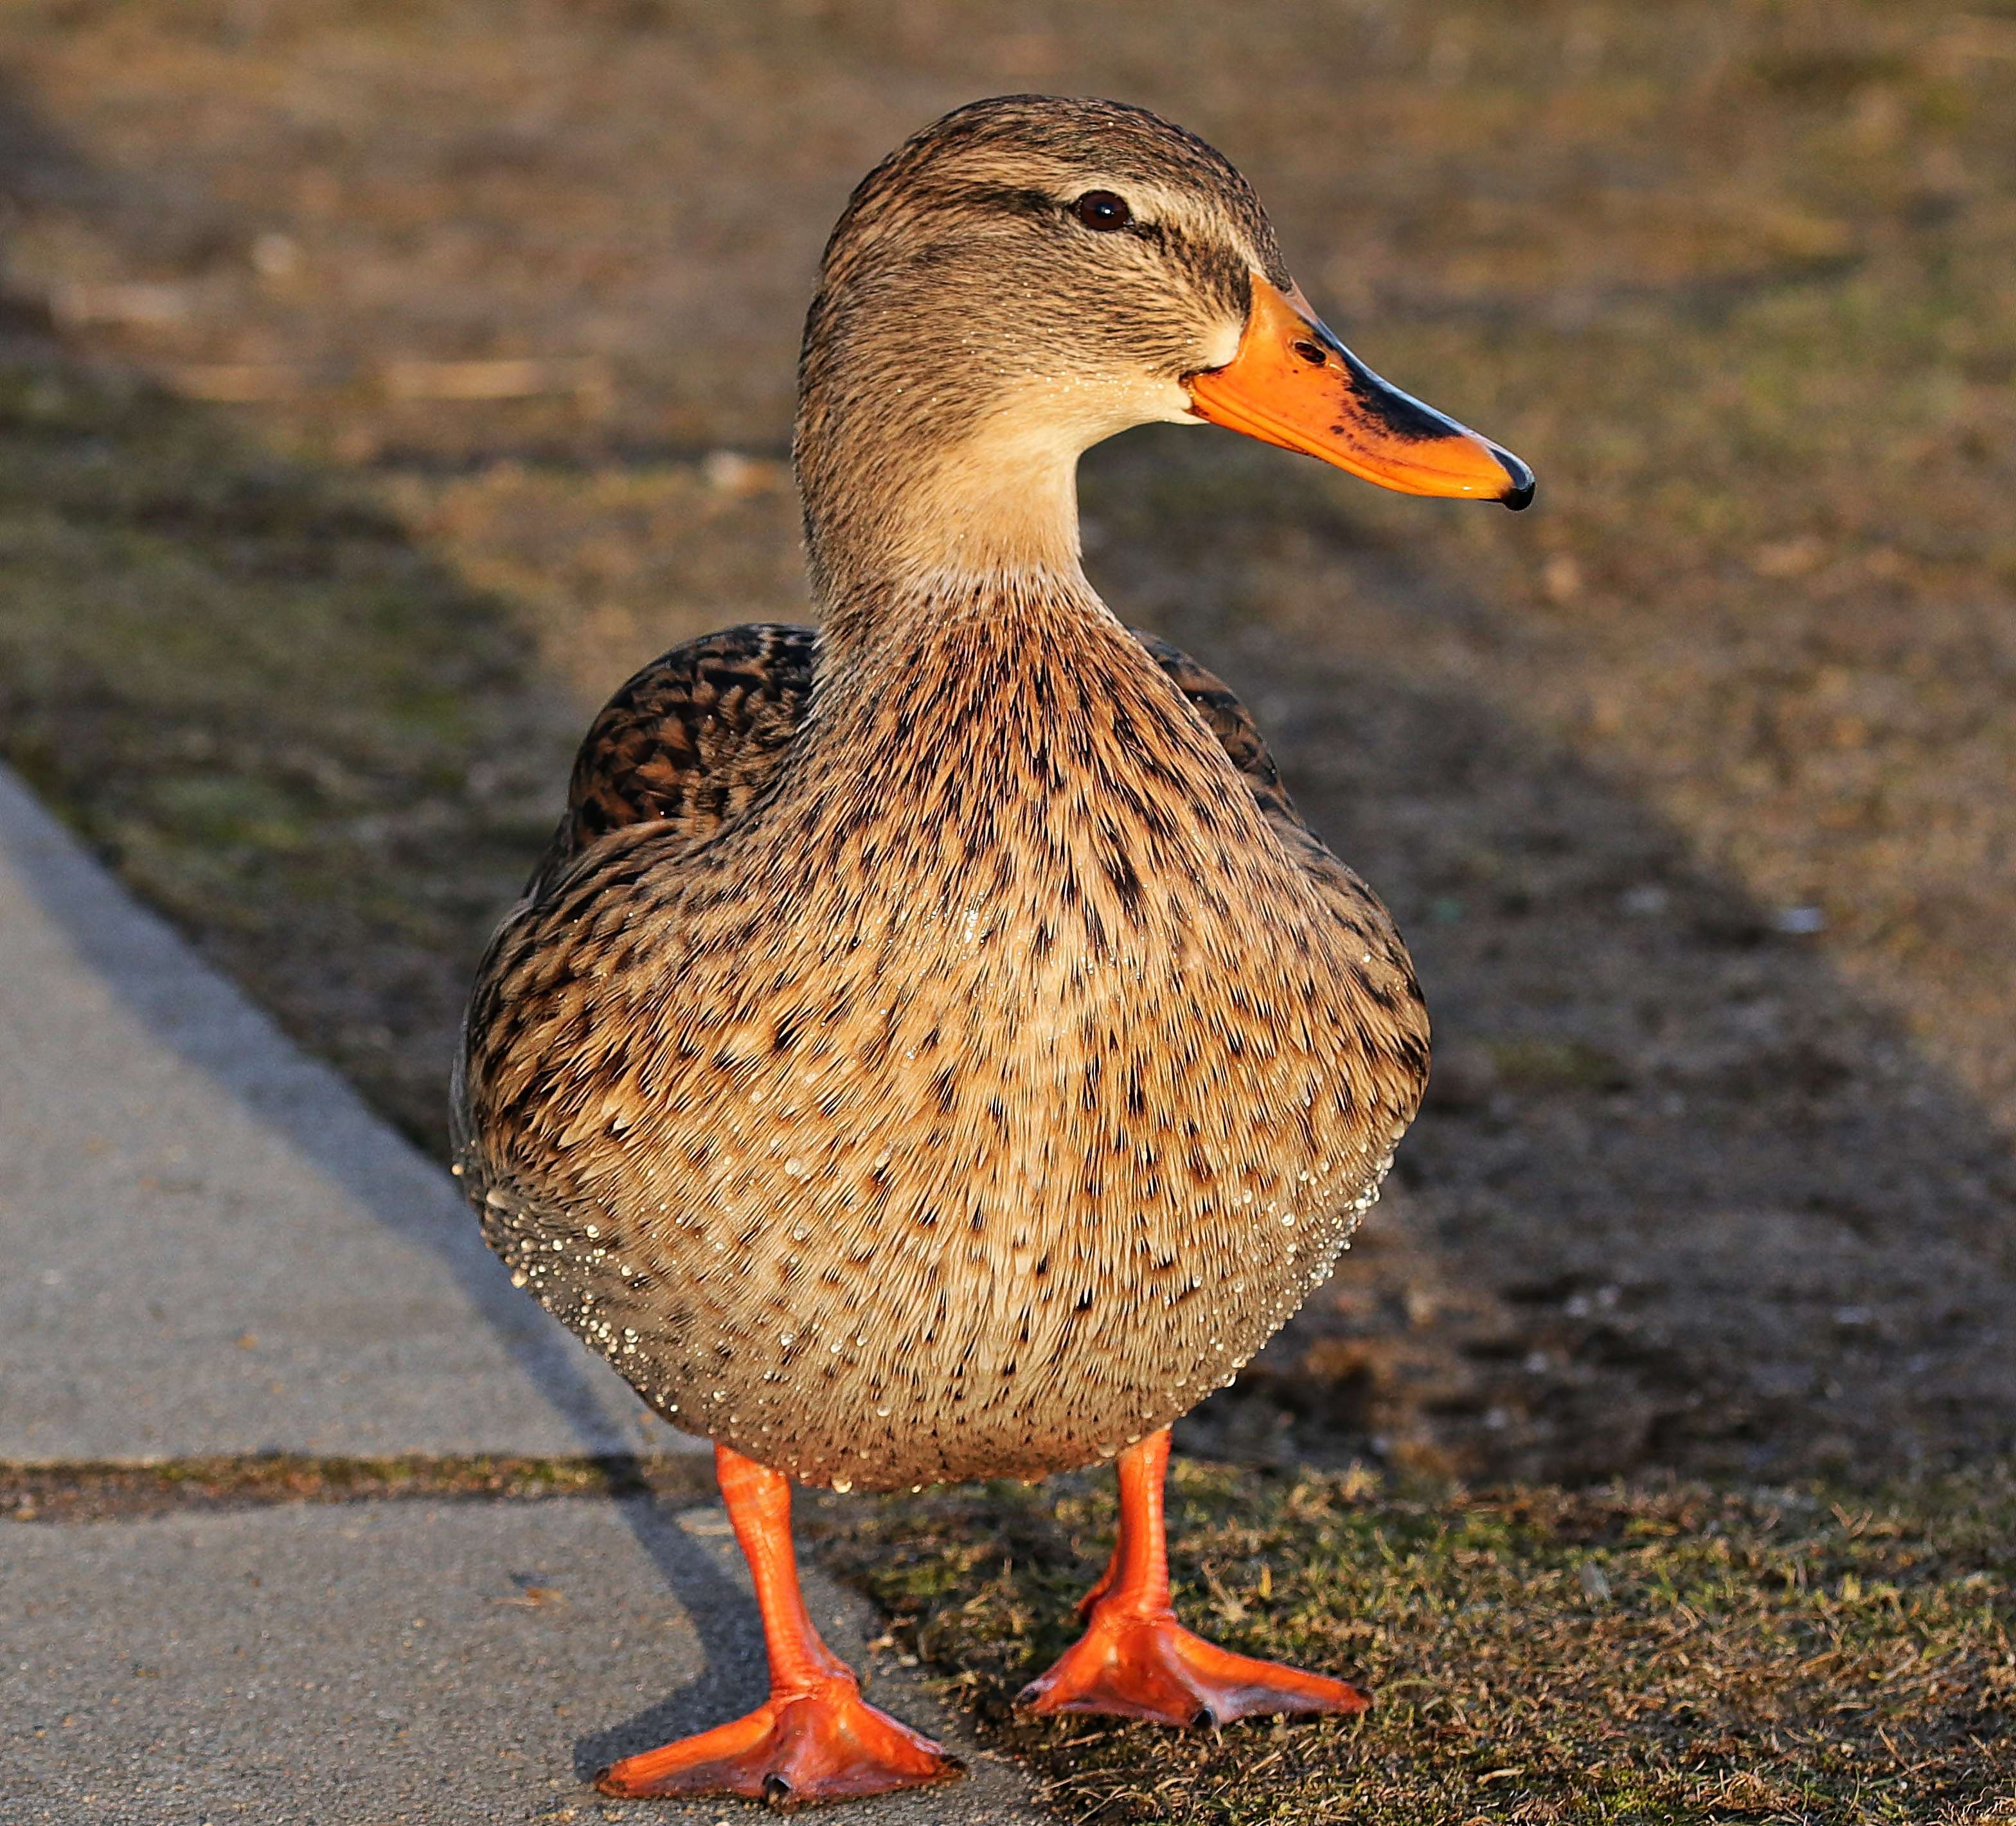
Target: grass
column 1654, row 1654
column 1614, row 1655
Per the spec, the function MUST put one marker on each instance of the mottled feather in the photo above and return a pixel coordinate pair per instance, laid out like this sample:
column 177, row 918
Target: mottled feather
column 934, row 1047
column 695, row 735
column 956, row 1078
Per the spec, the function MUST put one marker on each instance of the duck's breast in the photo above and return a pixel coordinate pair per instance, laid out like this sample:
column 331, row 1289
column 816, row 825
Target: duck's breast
column 981, row 1112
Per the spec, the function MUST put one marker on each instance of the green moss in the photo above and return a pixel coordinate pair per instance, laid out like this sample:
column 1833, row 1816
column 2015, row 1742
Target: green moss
column 1532, row 1062
column 85, row 1491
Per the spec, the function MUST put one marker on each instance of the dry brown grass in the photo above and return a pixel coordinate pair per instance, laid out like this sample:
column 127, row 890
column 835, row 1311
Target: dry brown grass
column 494, row 286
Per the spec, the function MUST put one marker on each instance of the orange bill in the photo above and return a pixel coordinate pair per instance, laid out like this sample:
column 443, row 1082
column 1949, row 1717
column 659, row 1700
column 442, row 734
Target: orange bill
column 1292, row 383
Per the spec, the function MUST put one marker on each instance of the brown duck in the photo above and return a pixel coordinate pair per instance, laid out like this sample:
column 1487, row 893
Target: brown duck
column 933, row 1047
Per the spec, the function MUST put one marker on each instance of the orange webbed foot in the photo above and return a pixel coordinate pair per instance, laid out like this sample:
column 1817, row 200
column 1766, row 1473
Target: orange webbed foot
column 1141, row 1664
column 825, row 1744
column 1135, row 1659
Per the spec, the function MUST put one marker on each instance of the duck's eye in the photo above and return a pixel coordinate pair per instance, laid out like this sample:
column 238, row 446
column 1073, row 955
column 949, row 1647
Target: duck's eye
column 1103, row 211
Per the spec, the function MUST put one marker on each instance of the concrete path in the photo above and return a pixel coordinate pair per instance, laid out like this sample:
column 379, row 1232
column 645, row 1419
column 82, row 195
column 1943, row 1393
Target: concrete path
column 211, row 1249
column 443, row 1664
column 211, row 1246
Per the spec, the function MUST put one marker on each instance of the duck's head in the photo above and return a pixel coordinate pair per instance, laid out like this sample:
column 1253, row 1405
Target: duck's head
column 1029, row 276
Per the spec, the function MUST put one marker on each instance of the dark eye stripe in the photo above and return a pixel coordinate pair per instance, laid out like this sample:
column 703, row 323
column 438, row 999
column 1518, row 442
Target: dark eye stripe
column 1103, row 211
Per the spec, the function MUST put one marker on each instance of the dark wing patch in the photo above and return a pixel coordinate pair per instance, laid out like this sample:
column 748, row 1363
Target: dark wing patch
column 1231, row 722
column 690, row 740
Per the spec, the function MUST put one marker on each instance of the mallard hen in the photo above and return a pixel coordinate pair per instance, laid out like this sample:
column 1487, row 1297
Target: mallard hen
column 933, row 1047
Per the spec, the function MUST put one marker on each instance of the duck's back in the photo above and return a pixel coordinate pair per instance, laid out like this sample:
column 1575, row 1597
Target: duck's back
column 954, row 1067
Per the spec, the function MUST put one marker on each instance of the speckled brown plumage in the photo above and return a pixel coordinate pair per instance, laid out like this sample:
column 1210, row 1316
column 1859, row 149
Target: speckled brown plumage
column 934, row 1048
column 693, row 737
column 689, row 740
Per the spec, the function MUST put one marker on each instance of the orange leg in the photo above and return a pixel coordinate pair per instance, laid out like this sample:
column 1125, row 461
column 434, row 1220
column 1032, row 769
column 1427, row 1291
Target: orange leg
column 1099, row 1587
column 813, row 1738
column 1136, row 1660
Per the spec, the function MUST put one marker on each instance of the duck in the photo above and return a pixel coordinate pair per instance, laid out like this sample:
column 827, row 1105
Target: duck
column 933, row 1047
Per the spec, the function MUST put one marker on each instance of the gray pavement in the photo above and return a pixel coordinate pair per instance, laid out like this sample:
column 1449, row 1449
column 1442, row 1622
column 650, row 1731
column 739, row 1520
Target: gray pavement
column 211, row 1246
column 211, row 1249
column 449, row 1664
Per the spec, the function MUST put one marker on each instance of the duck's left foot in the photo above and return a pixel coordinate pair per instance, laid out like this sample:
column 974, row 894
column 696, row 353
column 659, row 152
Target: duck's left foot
column 1146, row 1665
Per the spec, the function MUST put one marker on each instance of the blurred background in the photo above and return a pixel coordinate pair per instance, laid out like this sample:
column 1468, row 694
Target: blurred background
column 380, row 383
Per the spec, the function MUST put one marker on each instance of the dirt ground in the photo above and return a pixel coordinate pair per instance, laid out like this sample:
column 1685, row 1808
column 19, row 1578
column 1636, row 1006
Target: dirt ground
column 379, row 385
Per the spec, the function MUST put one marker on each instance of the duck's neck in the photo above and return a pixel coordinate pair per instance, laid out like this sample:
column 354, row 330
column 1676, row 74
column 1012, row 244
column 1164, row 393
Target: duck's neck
column 1007, row 738
column 895, row 527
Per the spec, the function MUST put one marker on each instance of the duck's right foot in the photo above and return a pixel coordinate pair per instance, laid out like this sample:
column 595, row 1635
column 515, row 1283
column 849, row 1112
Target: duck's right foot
column 824, row 1743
